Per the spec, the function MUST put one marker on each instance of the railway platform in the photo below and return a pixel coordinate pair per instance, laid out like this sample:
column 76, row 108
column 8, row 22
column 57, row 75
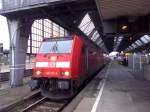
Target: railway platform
column 10, row 96
column 116, row 90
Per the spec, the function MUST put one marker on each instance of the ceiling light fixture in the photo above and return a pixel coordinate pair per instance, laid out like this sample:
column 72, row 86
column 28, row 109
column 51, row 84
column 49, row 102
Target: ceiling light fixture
column 124, row 27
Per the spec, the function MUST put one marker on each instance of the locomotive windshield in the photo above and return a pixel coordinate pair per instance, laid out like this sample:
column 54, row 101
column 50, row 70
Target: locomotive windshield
column 61, row 46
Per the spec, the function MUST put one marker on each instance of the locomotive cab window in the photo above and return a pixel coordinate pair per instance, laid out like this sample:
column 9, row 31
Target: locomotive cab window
column 55, row 46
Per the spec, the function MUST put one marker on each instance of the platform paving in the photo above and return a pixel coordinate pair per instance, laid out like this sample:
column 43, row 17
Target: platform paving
column 8, row 95
column 122, row 92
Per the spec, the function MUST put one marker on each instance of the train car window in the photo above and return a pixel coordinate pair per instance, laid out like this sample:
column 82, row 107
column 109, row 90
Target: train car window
column 62, row 46
column 92, row 52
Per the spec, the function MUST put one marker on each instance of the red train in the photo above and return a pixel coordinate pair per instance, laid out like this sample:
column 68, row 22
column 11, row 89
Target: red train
column 63, row 64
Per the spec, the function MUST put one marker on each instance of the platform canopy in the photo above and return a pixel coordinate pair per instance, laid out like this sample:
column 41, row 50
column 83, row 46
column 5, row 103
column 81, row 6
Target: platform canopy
column 129, row 19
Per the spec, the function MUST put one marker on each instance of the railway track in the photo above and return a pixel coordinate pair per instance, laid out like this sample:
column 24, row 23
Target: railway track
column 39, row 104
column 45, row 105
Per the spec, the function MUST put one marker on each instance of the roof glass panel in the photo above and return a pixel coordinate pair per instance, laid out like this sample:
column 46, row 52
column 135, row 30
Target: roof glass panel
column 102, row 44
column 144, row 39
column 138, row 43
column 99, row 41
column 94, row 34
column 117, row 41
column 131, row 47
column 120, row 39
column 85, row 21
column 147, row 38
column 86, row 25
column 95, row 38
column 89, row 29
column 134, row 45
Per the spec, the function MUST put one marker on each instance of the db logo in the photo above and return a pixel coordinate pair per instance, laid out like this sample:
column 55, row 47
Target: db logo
column 52, row 64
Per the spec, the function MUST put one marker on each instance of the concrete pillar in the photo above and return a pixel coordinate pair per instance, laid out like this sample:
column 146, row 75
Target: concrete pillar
column 19, row 32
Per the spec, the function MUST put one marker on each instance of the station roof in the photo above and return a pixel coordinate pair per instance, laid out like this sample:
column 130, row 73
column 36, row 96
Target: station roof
column 133, row 14
column 139, row 44
column 77, row 16
column 115, row 8
column 70, row 14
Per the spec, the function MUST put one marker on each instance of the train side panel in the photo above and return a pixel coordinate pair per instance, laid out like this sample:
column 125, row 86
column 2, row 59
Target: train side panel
column 76, row 58
column 86, row 59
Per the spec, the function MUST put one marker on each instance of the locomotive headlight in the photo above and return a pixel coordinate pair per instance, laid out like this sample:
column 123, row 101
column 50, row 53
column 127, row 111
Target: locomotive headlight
column 53, row 58
column 38, row 72
column 66, row 73
column 47, row 73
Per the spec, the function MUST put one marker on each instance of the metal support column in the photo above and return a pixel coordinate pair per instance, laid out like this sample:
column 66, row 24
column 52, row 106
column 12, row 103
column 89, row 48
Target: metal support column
column 19, row 33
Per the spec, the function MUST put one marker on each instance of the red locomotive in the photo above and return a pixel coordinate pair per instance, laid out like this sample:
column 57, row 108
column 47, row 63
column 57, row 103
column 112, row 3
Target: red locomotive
column 63, row 64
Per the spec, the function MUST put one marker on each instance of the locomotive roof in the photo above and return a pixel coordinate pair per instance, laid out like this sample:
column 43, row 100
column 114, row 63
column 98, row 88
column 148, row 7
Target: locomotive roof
column 60, row 38
column 68, row 38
